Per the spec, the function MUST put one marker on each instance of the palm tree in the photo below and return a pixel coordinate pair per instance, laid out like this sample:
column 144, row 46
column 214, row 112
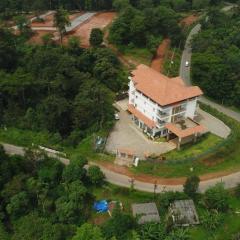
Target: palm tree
column 61, row 21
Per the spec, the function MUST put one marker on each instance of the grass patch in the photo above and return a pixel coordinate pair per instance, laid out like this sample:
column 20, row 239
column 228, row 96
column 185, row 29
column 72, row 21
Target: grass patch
column 27, row 138
column 172, row 62
column 86, row 149
column 191, row 149
column 137, row 55
column 125, row 195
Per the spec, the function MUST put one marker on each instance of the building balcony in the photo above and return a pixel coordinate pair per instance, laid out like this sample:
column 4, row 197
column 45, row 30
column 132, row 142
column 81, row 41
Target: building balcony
column 162, row 114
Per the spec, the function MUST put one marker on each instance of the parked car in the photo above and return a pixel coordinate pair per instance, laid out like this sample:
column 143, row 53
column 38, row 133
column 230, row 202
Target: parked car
column 116, row 116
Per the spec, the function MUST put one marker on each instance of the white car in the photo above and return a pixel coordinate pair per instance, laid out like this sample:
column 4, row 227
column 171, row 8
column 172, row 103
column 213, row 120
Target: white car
column 186, row 64
column 116, row 116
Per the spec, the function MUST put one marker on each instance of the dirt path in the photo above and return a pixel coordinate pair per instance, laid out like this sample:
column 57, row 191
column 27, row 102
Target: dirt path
column 189, row 20
column 158, row 60
column 159, row 180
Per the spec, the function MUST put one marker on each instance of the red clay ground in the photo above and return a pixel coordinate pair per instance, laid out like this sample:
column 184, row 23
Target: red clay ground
column 159, row 180
column 83, row 31
column 158, row 60
column 37, row 37
column 189, row 20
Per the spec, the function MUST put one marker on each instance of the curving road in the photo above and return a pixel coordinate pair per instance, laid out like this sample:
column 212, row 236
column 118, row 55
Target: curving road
column 185, row 72
column 121, row 180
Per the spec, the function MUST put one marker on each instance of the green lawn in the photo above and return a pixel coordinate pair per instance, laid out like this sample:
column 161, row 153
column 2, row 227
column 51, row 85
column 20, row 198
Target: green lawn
column 193, row 149
column 171, row 69
column 138, row 55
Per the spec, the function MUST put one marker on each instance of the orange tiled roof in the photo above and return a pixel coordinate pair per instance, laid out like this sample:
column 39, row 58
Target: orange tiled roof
column 186, row 132
column 150, row 123
column 160, row 88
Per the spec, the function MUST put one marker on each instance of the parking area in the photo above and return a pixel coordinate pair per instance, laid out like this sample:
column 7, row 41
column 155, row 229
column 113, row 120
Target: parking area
column 126, row 135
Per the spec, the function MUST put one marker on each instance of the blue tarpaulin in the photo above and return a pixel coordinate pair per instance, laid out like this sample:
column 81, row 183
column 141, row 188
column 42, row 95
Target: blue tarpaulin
column 101, row 206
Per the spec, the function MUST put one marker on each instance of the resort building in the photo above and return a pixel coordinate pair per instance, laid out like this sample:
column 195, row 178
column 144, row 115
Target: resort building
column 163, row 106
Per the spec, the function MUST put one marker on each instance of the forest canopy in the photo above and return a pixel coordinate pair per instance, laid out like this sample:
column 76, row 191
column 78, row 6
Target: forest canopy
column 216, row 58
column 61, row 90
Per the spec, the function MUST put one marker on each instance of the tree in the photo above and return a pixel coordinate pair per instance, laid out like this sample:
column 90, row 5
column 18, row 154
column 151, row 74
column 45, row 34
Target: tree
column 216, row 198
column 18, row 205
column 75, row 170
column 96, row 37
column 95, row 175
column 23, row 25
column 119, row 225
column 191, row 185
column 61, row 21
column 47, row 39
column 88, row 232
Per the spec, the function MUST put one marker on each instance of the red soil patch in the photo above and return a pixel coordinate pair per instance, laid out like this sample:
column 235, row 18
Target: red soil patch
column 189, row 20
column 158, row 60
column 48, row 22
column 37, row 37
column 159, row 180
column 83, row 31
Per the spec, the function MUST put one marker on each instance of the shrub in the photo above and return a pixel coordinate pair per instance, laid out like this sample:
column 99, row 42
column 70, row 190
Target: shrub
column 211, row 220
column 191, row 185
column 95, row 175
column 216, row 198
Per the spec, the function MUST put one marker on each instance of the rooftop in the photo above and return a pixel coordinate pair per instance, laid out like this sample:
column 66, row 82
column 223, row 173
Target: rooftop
column 160, row 88
column 147, row 212
column 185, row 128
column 184, row 213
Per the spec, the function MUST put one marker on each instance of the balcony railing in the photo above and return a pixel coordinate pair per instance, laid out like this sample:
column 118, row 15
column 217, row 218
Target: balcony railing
column 162, row 114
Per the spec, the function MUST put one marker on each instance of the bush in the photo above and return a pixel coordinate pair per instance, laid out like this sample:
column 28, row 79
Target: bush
column 237, row 190
column 211, row 220
column 164, row 199
column 216, row 198
column 191, row 185
column 95, row 175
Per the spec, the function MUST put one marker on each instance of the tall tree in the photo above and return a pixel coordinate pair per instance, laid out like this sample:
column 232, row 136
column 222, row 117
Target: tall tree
column 61, row 21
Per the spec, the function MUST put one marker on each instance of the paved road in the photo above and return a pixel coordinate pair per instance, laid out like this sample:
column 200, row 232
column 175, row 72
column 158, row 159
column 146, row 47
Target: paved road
column 186, row 76
column 43, row 16
column 230, row 181
column 79, row 20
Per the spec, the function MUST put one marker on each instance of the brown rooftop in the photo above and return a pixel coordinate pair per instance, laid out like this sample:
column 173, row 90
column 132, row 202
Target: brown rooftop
column 160, row 88
column 190, row 128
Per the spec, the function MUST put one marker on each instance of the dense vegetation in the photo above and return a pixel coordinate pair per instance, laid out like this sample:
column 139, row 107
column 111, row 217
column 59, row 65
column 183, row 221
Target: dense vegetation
column 66, row 91
column 42, row 199
column 215, row 63
column 11, row 7
column 145, row 27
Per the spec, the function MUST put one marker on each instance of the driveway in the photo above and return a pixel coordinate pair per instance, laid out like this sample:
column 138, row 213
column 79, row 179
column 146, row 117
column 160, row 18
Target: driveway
column 213, row 124
column 126, row 135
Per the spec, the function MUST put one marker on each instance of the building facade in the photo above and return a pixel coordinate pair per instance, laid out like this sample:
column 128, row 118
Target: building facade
column 156, row 100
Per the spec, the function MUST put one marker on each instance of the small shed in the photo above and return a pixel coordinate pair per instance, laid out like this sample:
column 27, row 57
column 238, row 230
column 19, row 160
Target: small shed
column 147, row 212
column 183, row 213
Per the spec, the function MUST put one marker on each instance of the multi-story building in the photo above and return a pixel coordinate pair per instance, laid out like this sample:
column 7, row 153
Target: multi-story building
column 158, row 103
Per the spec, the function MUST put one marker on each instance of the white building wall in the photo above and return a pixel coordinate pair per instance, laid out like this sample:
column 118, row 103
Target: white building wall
column 150, row 109
column 191, row 108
